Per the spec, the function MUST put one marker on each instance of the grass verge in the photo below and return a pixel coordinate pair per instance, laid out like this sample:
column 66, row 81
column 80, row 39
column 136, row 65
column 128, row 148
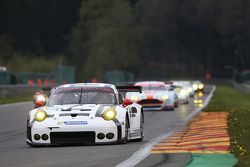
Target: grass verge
column 238, row 105
column 14, row 99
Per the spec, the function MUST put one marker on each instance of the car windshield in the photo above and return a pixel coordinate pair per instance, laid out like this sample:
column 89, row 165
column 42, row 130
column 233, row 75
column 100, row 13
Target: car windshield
column 150, row 87
column 82, row 95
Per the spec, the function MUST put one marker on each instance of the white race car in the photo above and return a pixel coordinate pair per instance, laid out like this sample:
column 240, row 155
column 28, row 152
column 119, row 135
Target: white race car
column 182, row 94
column 86, row 113
column 155, row 96
column 186, row 85
column 198, row 86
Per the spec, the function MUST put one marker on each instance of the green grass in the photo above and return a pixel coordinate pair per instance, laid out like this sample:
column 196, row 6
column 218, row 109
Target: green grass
column 14, row 99
column 238, row 105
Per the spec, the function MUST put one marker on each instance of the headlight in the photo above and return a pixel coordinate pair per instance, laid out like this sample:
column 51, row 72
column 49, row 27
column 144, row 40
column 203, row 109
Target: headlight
column 201, row 86
column 183, row 92
column 190, row 90
column 40, row 115
column 109, row 114
column 134, row 98
column 195, row 86
column 165, row 97
column 200, row 94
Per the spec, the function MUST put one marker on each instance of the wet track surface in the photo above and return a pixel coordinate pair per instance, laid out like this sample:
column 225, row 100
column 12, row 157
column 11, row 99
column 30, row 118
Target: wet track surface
column 15, row 152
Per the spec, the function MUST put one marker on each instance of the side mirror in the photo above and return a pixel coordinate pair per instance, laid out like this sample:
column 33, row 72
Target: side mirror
column 126, row 102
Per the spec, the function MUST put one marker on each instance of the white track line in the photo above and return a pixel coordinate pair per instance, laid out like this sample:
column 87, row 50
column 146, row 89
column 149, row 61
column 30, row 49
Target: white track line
column 145, row 149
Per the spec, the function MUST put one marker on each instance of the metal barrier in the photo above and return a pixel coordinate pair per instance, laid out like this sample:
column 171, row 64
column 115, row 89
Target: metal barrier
column 242, row 87
column 62, row 74
column 19, row 90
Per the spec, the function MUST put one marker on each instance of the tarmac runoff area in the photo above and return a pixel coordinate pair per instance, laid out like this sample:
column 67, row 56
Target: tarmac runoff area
column 206, row 138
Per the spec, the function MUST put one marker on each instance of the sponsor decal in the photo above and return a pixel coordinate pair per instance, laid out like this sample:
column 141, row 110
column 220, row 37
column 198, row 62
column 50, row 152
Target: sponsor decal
column 75, row 122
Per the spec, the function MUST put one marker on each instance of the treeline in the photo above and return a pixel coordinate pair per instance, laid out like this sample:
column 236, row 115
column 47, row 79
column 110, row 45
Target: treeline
column 152, row 38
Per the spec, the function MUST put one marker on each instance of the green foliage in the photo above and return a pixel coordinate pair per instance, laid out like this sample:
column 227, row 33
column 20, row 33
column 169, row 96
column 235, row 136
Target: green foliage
column 228, row 99
column 6, row 49
column 238, row 106
column 38, row 26
column 179, row 38
column 24, row 63
column 239, row 130
column 111, row 42
column 15, row 99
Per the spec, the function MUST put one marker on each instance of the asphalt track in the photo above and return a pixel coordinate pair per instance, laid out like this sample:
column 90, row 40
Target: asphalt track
column 15, row 152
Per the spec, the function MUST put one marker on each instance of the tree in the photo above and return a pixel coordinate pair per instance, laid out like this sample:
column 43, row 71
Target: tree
column 106, row 37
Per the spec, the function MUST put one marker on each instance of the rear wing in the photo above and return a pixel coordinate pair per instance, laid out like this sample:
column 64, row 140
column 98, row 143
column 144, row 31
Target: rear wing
column 168, row 82
column 129, row 88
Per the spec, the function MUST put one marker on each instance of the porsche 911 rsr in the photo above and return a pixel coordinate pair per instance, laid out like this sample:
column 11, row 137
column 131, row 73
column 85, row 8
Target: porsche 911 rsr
column 155, row 96
column 86, row 113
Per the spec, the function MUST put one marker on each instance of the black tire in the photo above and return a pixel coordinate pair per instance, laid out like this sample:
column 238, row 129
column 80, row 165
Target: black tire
column 176, row 105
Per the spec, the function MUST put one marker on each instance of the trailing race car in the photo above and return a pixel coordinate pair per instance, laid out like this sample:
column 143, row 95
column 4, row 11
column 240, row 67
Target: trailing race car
column 155, row 95
column 198, row 86
column 187, row 85
column 182, row 94
column 198, row 99
column 86, row 113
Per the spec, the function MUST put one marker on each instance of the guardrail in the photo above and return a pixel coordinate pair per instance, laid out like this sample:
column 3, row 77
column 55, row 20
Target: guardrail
column 19, row 90
column 242, row 87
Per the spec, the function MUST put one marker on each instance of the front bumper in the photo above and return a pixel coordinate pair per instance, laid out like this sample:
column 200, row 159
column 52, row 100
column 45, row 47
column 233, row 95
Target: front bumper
column 155, row 104
column 182, row 99
column 60, row 133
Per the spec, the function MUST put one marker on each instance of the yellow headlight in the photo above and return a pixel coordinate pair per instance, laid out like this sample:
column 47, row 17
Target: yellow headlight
column 195, row 86
column 109, row 114
column 134, row 98
column 201, row 86
column 165, row 97
column 200, row 94
column 40, row 115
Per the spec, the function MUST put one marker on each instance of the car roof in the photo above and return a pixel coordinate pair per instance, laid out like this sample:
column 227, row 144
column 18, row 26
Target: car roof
column 87, row 85
column 150, row 83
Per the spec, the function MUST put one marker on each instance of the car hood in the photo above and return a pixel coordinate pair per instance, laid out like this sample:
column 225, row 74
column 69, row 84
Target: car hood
column 91, row 110
column 146, row 94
